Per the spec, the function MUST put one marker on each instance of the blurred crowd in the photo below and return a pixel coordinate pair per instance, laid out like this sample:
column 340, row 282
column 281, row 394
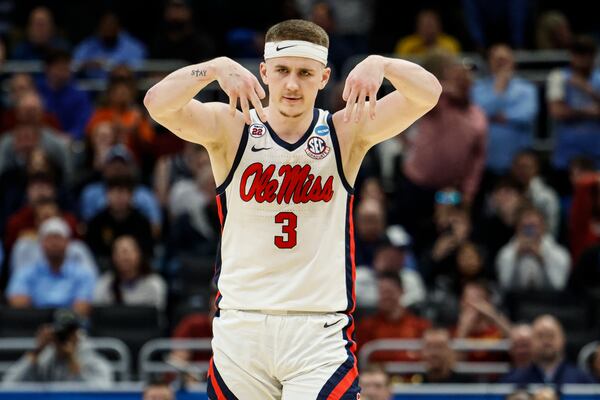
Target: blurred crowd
column 458, row 220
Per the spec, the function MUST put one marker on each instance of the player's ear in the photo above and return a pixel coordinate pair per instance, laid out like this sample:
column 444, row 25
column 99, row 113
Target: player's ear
column 263, row 72
column 325, row 77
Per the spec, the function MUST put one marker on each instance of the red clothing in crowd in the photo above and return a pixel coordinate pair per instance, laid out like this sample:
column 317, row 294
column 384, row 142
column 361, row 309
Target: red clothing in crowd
column 23, row 221
column 377, row 326
column 453, row 137
column 195, row 326
column 584, row 226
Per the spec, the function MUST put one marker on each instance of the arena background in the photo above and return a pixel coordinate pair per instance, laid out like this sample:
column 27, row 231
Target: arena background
column 178, row 236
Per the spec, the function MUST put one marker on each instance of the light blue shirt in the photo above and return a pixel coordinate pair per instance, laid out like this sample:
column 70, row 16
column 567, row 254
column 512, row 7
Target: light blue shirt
column 578, row 136
column 128, row 51
column 519, row 104
column 74, row 282
column 93, row 200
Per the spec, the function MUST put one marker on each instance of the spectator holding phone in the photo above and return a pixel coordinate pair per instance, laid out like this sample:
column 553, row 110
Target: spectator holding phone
column 532, row 259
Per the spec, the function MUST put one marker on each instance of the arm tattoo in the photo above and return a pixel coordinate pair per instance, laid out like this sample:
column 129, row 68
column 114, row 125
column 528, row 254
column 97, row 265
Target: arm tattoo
column 198, row 72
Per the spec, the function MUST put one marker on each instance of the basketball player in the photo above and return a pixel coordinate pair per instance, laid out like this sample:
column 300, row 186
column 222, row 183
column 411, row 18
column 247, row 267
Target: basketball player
column 285, row 264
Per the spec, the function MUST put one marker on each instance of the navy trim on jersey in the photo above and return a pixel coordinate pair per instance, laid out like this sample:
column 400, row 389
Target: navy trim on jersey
column 348, row 257
column 338, row 154
column 294, row 146
column 210, row 391
column 342, row 370
column 222, row 199
column 236, row 161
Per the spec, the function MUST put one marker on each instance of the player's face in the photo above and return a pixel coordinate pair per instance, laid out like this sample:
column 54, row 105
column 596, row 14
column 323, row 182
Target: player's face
column 293, row 83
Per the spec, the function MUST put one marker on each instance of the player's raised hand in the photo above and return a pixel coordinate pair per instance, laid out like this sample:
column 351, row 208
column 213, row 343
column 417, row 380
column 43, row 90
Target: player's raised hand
column 240, row 84
column 364, row 80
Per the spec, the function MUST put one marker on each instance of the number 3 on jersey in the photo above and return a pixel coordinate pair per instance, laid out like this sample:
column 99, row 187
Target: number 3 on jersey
column 289, row 229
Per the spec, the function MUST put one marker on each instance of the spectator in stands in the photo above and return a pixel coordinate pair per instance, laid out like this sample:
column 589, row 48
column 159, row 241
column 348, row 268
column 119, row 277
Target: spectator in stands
column 437, row 156
column 479, row 318
column 370, row 230
column 89, row 163
column 390, row 257
column 498, row 223
column 61, row 95
column 441, row 262
column 130, row 280
column 31, row 132
column 111, row 46
column 62, row 354
column 490, row 23
column 594, row 364
column 20, row 84
column 511, row 106
column 519, row 394
column 573, row 95
column 526, row 170
column 439, row 358
column 444, row 298
column 392, row 320
column 545, row 393
column 118, row 163
column 158, row 391
column 27, row 249
column 178, row 176
column 375, row 383
column 521, row 345
column 195, row 224
column 584, row 218
column 55, row 280
column 178, row 37
column 41, row 188
column 118, row 218
column 532, row 259
column 549, row 365
column 428, row 36
column 340, row 50
column 133, row 127
column 553, row 31
column 41, row 37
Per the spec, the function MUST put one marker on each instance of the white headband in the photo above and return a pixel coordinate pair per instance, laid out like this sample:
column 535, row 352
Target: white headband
column 296, row 48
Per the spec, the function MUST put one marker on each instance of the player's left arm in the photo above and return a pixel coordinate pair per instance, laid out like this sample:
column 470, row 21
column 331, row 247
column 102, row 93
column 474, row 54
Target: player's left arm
column 371, row 122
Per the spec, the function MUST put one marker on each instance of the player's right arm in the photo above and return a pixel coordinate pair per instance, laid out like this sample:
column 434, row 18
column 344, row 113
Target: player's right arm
column 171, row 101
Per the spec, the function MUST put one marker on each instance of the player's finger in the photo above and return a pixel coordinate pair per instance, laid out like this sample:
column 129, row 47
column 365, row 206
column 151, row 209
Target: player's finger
column 350, row 105
column 258, row 106
column 245, row 109
column 361, row 105
column 346, row 91
column 372, row 103
column 259, row 89
column 232, row 103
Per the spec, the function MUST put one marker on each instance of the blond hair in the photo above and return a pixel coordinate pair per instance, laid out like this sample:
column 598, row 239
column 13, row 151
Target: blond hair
column 298, row 29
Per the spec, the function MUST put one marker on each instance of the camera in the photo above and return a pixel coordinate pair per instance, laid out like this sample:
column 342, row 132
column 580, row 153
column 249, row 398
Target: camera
column 65, row 322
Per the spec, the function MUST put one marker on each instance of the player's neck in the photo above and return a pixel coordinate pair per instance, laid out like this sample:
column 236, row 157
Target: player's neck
column 289, row 128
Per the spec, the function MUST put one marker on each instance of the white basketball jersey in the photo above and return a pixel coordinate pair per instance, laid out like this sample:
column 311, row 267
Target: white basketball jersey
column 287, row 240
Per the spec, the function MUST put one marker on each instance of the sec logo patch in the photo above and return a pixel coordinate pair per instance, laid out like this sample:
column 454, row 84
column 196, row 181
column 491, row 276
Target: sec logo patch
column 257, row 130
column 317, row 148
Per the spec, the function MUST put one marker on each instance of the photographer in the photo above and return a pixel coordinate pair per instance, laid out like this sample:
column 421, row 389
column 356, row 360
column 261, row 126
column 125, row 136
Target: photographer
column 61, row 355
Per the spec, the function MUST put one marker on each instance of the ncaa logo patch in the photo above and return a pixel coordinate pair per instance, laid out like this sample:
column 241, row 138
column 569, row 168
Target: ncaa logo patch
column 317, row 148
column 322, row 130
column 257, row 130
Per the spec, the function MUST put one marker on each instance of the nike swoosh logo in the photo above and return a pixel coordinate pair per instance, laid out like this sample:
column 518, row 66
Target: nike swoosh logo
column 254, row 148
column 285, row 47
column 328, row 325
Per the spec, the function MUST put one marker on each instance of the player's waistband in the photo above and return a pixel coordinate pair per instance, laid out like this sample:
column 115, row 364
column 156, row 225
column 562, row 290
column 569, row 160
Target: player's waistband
column 287, row 312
